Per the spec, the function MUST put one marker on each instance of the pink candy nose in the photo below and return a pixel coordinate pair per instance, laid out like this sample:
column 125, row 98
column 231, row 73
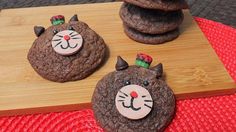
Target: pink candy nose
column 66, row 37
column 133, row 94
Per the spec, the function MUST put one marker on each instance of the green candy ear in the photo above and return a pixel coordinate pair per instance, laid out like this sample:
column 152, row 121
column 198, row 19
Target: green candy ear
column 158, row 69
column 142, row 64
column 58, row 22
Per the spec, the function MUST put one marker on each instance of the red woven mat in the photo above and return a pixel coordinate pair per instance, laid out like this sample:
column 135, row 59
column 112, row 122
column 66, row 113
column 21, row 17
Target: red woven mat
column 205, row 114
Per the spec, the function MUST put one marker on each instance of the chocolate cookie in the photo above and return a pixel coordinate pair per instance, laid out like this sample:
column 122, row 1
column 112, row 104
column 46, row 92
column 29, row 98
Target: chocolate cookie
column 150, row 21
column 150, row 38
column 133, row 98
column 167, row 5
column 66, row 51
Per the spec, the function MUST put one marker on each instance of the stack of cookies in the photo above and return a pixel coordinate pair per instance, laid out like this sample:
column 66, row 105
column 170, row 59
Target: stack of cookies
column 152, row 21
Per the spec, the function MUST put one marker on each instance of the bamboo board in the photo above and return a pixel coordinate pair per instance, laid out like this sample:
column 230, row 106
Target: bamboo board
column 191, row 66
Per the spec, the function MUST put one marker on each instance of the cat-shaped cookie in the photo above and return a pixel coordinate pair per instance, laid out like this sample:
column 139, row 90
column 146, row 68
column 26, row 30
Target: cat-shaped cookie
column 66, row 51
column 133, row 99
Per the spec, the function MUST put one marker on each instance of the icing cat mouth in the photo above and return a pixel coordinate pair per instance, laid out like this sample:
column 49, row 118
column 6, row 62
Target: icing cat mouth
column 68, row 45
column 131, row 105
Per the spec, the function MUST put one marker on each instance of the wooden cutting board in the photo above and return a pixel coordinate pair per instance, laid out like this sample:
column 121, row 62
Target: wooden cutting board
column 191, row 66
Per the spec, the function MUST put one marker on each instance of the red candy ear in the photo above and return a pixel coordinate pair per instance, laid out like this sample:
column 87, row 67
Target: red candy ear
column 38, row 30
column 144, row 57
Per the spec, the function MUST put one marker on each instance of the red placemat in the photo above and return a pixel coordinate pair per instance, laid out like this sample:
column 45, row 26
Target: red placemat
column 204, row 114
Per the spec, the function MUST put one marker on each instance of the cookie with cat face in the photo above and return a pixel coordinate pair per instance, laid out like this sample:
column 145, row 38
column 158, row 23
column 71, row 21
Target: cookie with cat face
column 66, row 51
column 134, row 98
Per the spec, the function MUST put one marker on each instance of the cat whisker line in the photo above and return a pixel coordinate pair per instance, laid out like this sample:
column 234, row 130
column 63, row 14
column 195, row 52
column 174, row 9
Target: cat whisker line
column 76, row 38
column 58, row 44
column 144, row 96
column 147, row 106
column 148, row 101
column 59, row 36
column 56, row 40
column 74, row 35
column 71, row 33
column 124, row 93
column 122, row 97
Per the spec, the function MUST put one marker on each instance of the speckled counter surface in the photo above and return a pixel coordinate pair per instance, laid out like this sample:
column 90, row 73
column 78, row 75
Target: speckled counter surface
column 223, row 11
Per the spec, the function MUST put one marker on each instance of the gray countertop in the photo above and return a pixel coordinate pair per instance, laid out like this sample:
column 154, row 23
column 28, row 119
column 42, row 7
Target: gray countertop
column 223, row 11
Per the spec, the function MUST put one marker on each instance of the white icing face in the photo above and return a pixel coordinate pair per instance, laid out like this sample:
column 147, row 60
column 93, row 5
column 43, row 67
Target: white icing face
column 67, row 42
column 133, row 102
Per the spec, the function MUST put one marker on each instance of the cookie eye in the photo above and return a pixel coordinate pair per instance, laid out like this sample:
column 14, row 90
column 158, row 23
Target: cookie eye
column 145, row 83
column 70, row 28
column 55, row 32
column 127, row 82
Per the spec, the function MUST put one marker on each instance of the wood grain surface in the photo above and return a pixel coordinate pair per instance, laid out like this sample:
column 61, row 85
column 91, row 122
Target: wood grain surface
column 191, row 66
